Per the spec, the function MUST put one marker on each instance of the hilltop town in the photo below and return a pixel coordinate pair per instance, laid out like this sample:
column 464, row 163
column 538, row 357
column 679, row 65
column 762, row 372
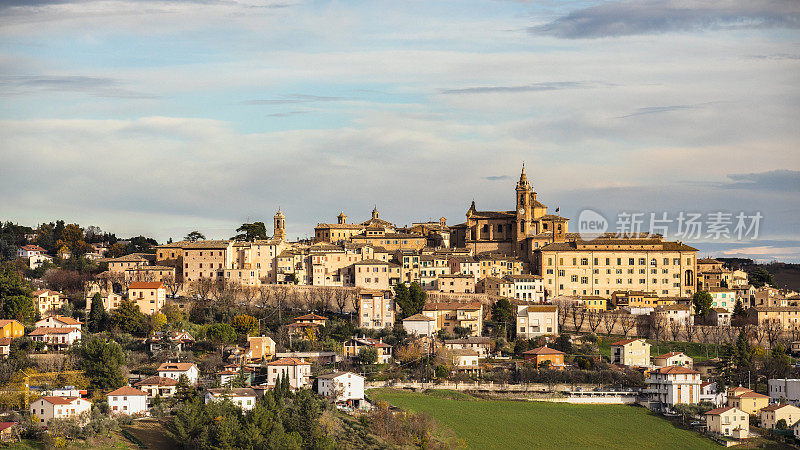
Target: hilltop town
column 105, row 335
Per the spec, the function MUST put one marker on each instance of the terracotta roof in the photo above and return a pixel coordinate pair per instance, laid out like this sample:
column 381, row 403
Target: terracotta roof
column 43, row 331
column 45, row 291
column 310, row 317
column 718, row 411
column 453, row 305
column 369, row 262
column 669, row 355
column 464, row 352
column 541, row 308
column 157, row 381
column 624, row 342
column 64, row 319
column 752, row 395
column 54, row 400
column 774, row 407
column 175, row 367
column 543, row 351
column 126, row 390
column 235, row 392
column 288, row 362
column 419, row 318
column 672, row 370
column 146, row 285
column 5, row 322
column 6, row 425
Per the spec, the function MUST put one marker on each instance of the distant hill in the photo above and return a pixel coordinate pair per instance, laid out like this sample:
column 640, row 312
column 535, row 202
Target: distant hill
column 786, row 275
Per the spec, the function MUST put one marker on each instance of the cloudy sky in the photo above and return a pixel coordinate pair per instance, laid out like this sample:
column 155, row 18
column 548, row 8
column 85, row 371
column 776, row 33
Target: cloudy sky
column 160, row 117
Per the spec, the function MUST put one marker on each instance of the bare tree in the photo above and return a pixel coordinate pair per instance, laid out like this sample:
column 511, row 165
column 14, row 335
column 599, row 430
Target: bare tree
column 172, row 284
column 340, row 297
column 773, row 331
column 627, row 322
column 731, row 334
column 675, row 329
column 691, row 331
column 201, row 287
column 563, row 307
column 610, row 320
column 595, row 319
column 717, row 335
column 658, row 326
column 218, row 288
column 758, row 333
column 578, row 317
column 249, row 293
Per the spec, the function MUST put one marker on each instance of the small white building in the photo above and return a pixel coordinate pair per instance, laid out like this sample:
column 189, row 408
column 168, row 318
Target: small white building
column 482, row 345
column 710, row 393
column 244, row 398
column 298, row 371
column 30, row 251
column 53, row 407
column 420, row 325
column 175, row 370
column 58, row 338
column 527, row 287
column 536, row 320
column 784, row 390
column 669, row 386
column 466, row 361
column 347, row 386
column 127, row 400
column 158, row 387
column 56, row 321
column 673, row 359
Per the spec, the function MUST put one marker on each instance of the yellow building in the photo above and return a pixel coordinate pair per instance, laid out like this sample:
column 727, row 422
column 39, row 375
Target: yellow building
column 631, row 352
column 497, row 265
column 728, row 421
column 592, row 302
column 770, row 415
column 788, row 317
column 47, row 300
column 460, row 284
column 375, row 309
column 11, row 329
column 451, row 315
column 747, row 400
column 149, row 296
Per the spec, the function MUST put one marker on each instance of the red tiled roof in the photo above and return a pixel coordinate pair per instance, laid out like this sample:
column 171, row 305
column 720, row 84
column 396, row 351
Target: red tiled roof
column 669, row 355
column 146, row 285
column 451, row 305
column 64, row 319
column 310, row 317
column 43, row 331
column 53, row 400
column 543, row 351
column 6, row 425
column 752, row 395
column 624, row 342
column 718, row 411
column 157, row 381
column 175, row 367
column 5, row 322
column 126, row 390
column 774, row 407
column 288, row 362
column 5, row 342
column 676, row 370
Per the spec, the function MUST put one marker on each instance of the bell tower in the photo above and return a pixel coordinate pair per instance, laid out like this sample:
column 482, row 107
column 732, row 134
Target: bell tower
column 523, row 213
column 280, row 226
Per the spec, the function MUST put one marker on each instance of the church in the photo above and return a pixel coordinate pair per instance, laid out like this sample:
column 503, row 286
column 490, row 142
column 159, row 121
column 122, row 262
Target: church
column 517, row 233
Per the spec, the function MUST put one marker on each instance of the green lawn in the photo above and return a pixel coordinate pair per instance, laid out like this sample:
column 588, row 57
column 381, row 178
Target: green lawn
column 512, row 424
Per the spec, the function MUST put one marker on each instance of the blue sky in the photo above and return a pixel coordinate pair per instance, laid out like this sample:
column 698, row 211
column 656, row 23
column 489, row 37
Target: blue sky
column 162, row 117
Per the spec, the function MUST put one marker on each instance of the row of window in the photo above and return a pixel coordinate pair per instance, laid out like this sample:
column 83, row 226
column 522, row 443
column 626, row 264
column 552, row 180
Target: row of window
column 631, row 261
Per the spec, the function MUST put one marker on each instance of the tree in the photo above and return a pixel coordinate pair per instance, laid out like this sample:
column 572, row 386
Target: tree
column 245, row 324
column 402, row 299
column 101, row 359
column 627, row 322
column 610, row 320
column 195, row 236
column 98, row 317
column 368, row 355
column 21, row 308
column 128, row 319
column 220, row 334
column 702, row 303
column 743, row 353
column 595, row 319
column 251, row 231
column 184, row 391
column 781, row 425
column 503, row 314
column 759, row 277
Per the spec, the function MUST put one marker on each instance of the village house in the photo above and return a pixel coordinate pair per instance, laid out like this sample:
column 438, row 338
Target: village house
column 630, row 352
column 747, row 400
column 260, row 348
column 5, row 346
column 375, row 309
column 673, row 359
column 669, row 314
column 672, row 385
column 47, row 300
column 111, row 300
column 784, row 390
column 149, row 296
column 244, row 398
column 9, row 432
column 58, row 338
column 347, row 387
column 722, row 298
column 466, row 361
column 728, row 421
column 30, row 251
column 297, row 370
column 552, row 358
column 770, row 415
column 536, row 320
column 127, row 400
column 306, row 326
column 482, row 345
column 158, row 387
column 527, row 287
column 353, row 347
column 11, row 328
column 710, row 393
column 720, row 317
column 175, row 370
column 176, row 341
column 47, row 408
column 56, row 321
column 448, row 316
column 420, row 325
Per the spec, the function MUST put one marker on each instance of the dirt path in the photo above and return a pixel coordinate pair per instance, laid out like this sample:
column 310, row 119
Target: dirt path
column 152, row 434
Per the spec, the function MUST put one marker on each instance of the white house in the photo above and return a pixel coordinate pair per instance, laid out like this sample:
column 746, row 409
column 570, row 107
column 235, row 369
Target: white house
column 673, row 359
column 710, row 393
column 244, row 398
column 420, row 325
column 482, row 345
column 30, row 251
column 67, row 391
column 34, row 262
column 297, row 369
column 347, row 386
column 175, row 370
column 47, row 408
column 536, row 320
column 59, row 338
column 466, row 360
column 56, row 321
column 158, row 387
column 784, row 390
column 669, row 386
column 127, row 400
column 527, row 288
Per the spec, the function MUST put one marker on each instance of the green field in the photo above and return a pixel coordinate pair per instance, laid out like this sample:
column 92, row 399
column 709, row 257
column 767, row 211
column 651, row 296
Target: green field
column 512, row 424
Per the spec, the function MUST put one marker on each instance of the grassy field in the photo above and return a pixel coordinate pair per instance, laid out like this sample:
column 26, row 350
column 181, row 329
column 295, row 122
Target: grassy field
column 692, row 349
column 511, row 425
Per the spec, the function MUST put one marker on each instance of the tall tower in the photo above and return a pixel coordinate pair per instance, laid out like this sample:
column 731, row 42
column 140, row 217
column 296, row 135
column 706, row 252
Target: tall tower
column 280, row 226
column 342, row 218
column 524, row 215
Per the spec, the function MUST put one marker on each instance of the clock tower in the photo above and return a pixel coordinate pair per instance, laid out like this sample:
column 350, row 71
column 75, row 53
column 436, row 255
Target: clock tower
column 524, row 216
